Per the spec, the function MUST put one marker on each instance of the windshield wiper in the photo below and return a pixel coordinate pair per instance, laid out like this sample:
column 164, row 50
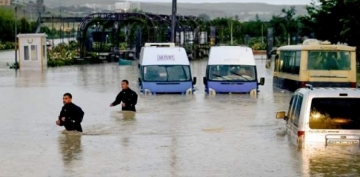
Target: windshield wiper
column 217, row 75
column 240, row 75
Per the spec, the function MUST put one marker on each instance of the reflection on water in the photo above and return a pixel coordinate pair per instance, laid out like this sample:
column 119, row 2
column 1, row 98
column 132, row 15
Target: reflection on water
column 31, row 78
column 331, row 161
column 171, row 135
column 70, row 147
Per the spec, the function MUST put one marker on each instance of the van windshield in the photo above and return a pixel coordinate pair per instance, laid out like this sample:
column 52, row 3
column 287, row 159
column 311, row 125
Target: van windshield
column 172, row 73
column 335, row 113
column 329, row 60
column 231, row 73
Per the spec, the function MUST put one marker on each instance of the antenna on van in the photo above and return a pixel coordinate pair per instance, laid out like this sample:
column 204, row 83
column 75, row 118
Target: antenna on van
column 309, row 86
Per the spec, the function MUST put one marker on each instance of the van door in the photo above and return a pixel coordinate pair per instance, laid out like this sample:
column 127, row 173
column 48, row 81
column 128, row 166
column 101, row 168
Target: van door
column 294, row 118
column 290, row 114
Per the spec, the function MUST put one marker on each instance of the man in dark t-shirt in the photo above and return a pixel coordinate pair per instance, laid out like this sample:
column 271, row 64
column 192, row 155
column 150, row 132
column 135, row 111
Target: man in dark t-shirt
column 71, row 115
column 128, row 99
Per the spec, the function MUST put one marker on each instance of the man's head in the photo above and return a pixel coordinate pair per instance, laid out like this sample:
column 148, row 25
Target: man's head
column 67, row 98
column 124, row 84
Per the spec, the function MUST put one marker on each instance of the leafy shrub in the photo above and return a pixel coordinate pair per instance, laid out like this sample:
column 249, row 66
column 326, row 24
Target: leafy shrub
column 259, row 46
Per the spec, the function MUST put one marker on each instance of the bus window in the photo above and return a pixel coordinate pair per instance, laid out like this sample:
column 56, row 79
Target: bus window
column 329, row 60
column 289, row 62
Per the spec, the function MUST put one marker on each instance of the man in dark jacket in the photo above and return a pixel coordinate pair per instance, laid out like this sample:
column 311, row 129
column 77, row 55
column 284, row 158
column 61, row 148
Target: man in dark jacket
column 127, row 97
column 71, row 115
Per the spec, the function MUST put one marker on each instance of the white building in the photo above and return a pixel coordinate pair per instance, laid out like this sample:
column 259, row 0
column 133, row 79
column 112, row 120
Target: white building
column 126, row 6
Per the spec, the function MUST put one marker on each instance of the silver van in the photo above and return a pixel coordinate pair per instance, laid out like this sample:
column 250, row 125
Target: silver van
column 323, row 115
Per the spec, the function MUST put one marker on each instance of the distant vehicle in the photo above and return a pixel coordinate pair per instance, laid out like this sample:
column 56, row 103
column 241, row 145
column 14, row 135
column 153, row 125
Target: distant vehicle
column 166, row 44
column 323, row 115
column 165, row 70
column 317, row 63
column 231, row 69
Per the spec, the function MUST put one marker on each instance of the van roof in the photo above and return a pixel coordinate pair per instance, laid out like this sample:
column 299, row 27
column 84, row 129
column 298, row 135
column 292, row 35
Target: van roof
column 162, row 44
column 231, row 55
column 164, row 56
column 329, row 92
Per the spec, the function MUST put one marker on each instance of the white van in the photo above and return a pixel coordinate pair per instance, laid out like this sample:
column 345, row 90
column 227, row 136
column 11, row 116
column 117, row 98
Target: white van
column 165, row 70
column 166, row 44
column 231, row 69
column 323, row 115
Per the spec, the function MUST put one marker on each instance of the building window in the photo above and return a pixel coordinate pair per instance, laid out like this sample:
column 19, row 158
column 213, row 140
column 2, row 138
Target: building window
column 26, row 53
column 34, row 52
column 44, row 52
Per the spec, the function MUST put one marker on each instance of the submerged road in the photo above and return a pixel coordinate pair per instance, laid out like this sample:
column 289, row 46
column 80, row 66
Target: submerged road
column 172, row 135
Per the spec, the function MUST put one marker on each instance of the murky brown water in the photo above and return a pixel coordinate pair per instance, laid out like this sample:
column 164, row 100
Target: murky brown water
column 172, row 135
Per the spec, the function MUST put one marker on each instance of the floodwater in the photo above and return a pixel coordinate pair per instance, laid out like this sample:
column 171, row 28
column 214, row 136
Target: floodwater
column 172, row 135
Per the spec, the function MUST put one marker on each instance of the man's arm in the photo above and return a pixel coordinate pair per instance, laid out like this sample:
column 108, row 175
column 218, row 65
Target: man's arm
column 61, row 115
column 117, row 100
column 80, row 114
column 134, row 98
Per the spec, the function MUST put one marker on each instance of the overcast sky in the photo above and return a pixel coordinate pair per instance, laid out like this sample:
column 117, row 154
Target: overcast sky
column 260, row 1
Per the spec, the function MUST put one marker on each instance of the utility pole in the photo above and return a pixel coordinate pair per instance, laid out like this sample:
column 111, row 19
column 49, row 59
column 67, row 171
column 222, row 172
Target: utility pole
column 231, row 32
column 173, row 20
column 262, row 34
column 16, row 64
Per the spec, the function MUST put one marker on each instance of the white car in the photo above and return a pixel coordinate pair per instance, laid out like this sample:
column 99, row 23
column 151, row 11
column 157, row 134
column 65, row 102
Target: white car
column 330, row 116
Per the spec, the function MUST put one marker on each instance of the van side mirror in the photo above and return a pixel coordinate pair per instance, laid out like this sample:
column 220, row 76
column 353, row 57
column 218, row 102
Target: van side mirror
column 194, row 81
column 138, row 65
column 262, row 81
column 281, row 115
column 204, row 80
column 139, row 80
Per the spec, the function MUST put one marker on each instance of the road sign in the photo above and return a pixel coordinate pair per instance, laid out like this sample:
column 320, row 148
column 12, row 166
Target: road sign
column 5, row 2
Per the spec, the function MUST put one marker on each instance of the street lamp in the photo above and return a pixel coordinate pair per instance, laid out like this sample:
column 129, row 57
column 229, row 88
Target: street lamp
column 173, row 20
column 16, row 63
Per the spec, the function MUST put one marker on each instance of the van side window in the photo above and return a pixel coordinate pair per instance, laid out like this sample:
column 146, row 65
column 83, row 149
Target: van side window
column 297, row 110
column 292, row 107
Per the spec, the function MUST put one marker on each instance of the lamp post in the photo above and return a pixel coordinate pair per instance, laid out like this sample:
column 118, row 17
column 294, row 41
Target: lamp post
column 173, row 20
column 16, row 63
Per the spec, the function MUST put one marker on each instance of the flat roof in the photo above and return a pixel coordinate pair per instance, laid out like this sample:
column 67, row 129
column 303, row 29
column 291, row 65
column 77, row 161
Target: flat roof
column 231, row 55
column 329, row 92
column 164, row 56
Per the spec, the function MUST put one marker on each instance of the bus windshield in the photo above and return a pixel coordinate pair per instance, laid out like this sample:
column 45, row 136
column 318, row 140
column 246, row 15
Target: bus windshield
column 335, row 113
column 231, row 73
column 329, row 60
column 171, row 73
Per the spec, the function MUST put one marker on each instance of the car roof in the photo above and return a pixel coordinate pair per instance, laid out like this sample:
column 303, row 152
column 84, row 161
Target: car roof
column 329, row 92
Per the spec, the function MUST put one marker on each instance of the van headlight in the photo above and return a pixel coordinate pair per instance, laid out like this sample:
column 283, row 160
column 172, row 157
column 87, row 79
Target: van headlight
column 212, row 91
column 189, row 91
column 253, row 92
column 147, row 92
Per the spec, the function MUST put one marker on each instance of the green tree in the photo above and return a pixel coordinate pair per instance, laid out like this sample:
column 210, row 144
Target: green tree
column 204, row 17
column 333, row 20
column 257, row 18
column 137, row 11
column 285, row 25
column 6, row 24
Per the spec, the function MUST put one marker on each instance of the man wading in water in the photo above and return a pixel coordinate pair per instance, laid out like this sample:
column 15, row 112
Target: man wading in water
column 128, row 98
column 71, row 115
